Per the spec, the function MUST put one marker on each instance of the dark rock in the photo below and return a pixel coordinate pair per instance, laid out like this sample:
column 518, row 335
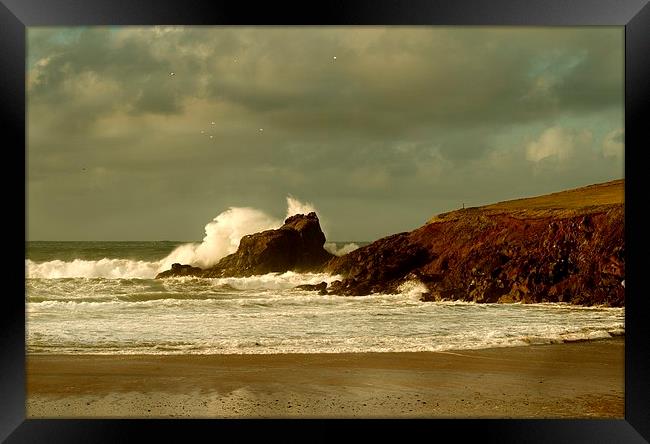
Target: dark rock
column 495, row 257
column 378, row 267
column 315, row 287
column 296, row 246
column 181, row 270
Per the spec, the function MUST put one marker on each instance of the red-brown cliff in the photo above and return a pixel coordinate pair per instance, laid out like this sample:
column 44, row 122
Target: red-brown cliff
column 562, row 247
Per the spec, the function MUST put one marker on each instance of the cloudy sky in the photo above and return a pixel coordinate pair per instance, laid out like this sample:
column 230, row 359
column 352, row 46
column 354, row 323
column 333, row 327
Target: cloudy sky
column 379, row 127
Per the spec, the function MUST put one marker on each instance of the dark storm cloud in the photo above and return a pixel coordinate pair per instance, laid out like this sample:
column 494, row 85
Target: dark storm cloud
column 393, row 123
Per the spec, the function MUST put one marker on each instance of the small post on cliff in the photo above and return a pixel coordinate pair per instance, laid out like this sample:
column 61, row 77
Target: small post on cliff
column 463, row 205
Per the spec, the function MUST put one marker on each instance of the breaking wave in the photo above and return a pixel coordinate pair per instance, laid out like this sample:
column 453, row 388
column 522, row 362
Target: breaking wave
column 223, row 233
column 104, row 268
column 222, row 236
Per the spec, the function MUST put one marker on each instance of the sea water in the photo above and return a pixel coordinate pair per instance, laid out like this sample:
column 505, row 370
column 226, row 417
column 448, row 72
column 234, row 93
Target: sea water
column 101, row 297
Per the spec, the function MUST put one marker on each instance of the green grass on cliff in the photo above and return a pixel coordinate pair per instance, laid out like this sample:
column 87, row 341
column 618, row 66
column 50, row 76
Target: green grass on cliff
column 567, row 203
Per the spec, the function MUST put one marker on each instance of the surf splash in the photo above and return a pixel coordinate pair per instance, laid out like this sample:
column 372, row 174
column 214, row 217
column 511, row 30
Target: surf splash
column 222, row 236
column 294, row 206
column 223, row 233
column 104, row 268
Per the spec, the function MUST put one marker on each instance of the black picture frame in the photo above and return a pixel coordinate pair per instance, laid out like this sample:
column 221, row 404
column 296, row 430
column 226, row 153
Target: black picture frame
column 16, row 15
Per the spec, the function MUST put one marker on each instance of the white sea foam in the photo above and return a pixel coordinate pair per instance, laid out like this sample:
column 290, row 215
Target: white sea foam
column 222, row 237
column 413, row 289
column 265, row 314
column 223, row 233
column 221, row 344
column 294, row 206
column 42, row 286
column 276, row 281
column 103, row 268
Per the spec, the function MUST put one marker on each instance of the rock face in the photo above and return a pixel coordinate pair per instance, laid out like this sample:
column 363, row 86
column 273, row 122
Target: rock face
column 379, row 266
column 563, row 247
column 523, row 252
column 296, row 246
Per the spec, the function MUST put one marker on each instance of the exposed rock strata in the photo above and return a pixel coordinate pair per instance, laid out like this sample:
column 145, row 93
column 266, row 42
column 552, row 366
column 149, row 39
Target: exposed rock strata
column 507, row 252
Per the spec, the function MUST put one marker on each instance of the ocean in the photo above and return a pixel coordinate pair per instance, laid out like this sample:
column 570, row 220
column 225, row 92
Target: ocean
column 102, row 298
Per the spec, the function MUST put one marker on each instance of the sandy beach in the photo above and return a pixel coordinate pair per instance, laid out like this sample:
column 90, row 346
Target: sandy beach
column 577, row 380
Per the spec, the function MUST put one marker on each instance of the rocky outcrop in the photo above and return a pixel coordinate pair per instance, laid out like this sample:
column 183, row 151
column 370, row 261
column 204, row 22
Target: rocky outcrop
column 296, row 246
column 378, row 267
column 321, row 288
column 530, row 251
column 181, row 270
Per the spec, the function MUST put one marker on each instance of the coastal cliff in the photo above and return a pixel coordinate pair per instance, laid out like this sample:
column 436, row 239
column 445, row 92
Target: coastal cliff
column 562, row 247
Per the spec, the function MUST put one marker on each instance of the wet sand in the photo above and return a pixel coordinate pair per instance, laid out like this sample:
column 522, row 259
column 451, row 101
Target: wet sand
column 575, row 380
